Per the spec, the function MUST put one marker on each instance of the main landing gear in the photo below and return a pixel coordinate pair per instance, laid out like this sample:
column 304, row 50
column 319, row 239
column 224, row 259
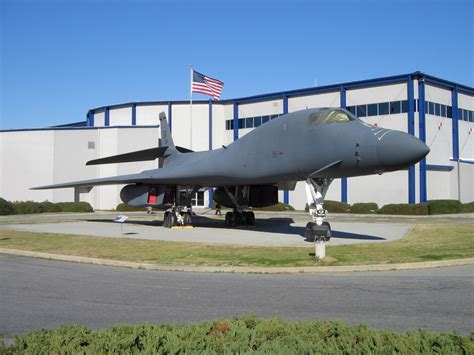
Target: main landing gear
column 318, row 229
column 178, row 216
column 238, row 217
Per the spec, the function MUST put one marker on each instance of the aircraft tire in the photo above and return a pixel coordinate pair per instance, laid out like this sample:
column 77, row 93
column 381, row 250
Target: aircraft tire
column 187, row 220
column 172, row 220
column 329, row 234
column 233, row 219
column 250, row 218
column 166, row 220
column 227, row 219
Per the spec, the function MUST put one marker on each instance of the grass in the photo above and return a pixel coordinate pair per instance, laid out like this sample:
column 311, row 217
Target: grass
column 425, row 242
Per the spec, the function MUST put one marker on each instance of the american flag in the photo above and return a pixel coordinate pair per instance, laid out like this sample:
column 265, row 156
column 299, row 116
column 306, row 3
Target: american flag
column 206, row 85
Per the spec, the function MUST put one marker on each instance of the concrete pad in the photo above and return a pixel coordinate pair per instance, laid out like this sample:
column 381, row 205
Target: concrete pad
column 276, row 232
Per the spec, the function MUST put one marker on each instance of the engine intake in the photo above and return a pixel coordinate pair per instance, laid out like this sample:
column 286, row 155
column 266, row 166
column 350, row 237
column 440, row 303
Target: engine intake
column 147, row 195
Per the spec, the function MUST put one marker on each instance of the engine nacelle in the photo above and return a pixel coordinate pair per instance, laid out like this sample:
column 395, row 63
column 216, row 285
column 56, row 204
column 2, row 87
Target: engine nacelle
column 248, row 196
column 147, row 195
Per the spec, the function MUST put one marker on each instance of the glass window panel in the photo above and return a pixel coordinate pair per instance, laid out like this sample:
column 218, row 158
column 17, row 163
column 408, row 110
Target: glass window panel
column 265, row 119
column 231, row 124
column 426, row 107
column 449, row 112
column 395, row 107
column 351, row 109
column 241, row 123
column 443, row 110
column 257, row 121
column 465, row 115
column 431, row 109
column 361, row 110
column 227, row 125
column 249, row 122
column 471, row 116
column 416, row 105
column 372, row 110
column 274, row 116
column 200, row 198
column 404, row 106
column 383, row 108
column 438, row 109
column 459, row 114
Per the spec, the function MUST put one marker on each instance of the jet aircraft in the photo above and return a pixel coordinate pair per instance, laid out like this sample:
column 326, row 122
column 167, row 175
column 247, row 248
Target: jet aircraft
column 312, row 145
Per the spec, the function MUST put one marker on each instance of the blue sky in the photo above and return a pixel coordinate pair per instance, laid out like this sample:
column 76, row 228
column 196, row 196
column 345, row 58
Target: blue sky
column 60, row 58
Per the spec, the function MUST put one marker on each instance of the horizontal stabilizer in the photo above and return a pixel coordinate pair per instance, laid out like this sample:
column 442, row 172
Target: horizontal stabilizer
column 139, row 155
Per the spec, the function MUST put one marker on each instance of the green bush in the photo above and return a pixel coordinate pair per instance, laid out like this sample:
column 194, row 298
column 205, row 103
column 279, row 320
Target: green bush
column 337, row 207
column 444, row 206
column 245, row 334
column 26, row 207
column 467, row 207
column 6, row 207
column 364, row 208
column 48, row 207
column 123, row 207
column 75, row 207
column 404, row 209
column 278, row 207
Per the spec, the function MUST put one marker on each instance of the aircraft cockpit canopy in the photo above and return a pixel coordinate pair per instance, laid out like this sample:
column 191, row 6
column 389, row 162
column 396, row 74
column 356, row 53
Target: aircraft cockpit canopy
column 329, row 116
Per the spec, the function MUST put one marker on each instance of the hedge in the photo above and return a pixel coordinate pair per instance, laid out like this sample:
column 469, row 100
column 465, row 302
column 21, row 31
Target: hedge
column 364, row 207
column 30, row 207
column 278, row 207
column 337, row 207
column 123, row 207
column 6, row 207
column 467, row 207
column 245, row 334
column 444, row 206
column 404, row 209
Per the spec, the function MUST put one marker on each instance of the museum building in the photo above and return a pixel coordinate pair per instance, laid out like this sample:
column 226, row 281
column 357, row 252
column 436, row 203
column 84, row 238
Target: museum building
column 437, row 111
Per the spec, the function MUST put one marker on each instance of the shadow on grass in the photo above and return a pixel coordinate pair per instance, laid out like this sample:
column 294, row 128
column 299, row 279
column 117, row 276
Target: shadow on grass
column 282, row 225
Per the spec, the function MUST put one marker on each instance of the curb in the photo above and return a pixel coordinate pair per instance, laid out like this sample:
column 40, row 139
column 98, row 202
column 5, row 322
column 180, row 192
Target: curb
column 242, row 269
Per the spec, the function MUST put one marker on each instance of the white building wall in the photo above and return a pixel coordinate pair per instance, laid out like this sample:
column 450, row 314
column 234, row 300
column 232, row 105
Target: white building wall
column 149, row 115
column 120, row 116
column 394, row 92
column 311, row 101
column 99, row 119
column 182, row 126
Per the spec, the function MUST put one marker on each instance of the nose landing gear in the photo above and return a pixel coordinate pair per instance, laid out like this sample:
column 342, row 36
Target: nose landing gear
column 318, row 229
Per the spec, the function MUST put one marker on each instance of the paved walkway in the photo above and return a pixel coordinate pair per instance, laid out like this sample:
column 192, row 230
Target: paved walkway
column 276, row 231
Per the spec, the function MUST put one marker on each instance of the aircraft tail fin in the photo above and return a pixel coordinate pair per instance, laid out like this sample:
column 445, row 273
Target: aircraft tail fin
column 166, row 138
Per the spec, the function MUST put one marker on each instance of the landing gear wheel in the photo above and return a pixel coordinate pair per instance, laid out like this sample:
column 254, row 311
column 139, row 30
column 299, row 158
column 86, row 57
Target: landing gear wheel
column 249, row 218
column 170, row 220
column 166, row 220
column 187, row 220
column 227, row 219
column 329, row 231
column 314, row 232
column 233, row 219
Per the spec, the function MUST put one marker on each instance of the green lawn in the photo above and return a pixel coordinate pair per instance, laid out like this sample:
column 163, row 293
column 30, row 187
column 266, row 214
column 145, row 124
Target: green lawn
column 424, row 242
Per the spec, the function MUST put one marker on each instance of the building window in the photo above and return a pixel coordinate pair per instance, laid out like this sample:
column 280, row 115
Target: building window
column 241, row 123
column 449, row 112
column 437, row 109
column 257, row 121
column 404, row 106
column 249, row 122
column 361, row 110
column 443, row 110
column 372, row 110
column 395, row 107
column 265, row 119
column 383, row 108
column 431, row 109
column 351, row 109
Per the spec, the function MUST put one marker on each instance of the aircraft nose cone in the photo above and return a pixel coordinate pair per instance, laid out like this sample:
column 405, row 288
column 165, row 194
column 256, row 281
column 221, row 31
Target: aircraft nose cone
column 399, row 149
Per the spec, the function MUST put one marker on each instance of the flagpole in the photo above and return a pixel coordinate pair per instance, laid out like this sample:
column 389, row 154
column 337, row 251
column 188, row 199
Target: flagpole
column 191, row 107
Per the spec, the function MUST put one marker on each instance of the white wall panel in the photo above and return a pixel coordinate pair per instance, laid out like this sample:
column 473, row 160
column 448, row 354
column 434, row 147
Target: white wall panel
column 148, row 115
column 466, row 102
column 108, row 196
column 311, row 101
column 182, row 126
column 99, row 119
column 438, row 95
column 439, row 138
column 120, row 116
column 272, row 107
column 396, row 92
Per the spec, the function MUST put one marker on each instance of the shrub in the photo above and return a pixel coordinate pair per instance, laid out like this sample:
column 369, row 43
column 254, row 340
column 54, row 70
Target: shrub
column 243, row 334
column 123, row 207
column 337, row 207
column 364, row 207
column 467, row 207
column 278, row 207
column 75, row 207
column 444, row 206
column 6, row 207
column 47, row 206
column 404, row 209
column 26, row 207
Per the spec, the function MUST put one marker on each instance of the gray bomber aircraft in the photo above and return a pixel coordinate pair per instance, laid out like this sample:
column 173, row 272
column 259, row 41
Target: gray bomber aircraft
column 312, row 145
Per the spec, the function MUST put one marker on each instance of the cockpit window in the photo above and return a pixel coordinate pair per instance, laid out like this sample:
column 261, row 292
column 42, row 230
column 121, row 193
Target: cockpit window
column 325, row 117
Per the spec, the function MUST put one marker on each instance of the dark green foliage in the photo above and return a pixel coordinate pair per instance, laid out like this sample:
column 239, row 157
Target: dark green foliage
column 444, row 206
column 278, row 207
column 245, row 334
column 467, row 207
column 26, row 207
column 364, row 207
column 337, row 207
column 75, row 207
column 49, row 207
column 6, row 207
column 123, row 207
column 404, row 209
